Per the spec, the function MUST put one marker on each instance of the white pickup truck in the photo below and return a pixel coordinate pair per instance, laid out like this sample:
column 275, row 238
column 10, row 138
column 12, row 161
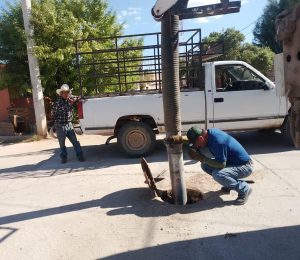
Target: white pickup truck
column 248, row 100
column 230, row 95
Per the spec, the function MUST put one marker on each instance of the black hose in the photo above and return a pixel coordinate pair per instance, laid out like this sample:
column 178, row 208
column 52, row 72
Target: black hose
column 170, row 76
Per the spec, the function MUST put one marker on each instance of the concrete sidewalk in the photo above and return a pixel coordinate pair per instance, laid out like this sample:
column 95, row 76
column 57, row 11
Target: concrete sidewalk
column 102, row 209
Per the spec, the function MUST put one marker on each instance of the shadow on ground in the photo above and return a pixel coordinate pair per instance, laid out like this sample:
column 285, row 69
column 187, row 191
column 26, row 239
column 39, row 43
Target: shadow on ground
column 135, row 201
column 275, row 243
column 105, row 156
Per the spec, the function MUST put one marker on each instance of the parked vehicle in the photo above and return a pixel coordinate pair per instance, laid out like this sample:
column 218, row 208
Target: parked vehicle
column 230, row 95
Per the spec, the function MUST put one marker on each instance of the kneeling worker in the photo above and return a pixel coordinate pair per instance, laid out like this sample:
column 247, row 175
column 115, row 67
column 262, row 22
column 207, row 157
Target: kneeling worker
column 231, row 162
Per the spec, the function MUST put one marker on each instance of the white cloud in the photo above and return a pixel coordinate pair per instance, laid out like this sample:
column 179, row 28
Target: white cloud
column 244, row 2
column 130, row 14
column 135, row 9
column 217, row 16
column 130, row 11
column 202, row 20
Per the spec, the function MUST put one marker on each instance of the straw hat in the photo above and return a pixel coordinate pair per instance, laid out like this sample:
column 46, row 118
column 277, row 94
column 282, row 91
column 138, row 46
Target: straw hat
column 64, row 87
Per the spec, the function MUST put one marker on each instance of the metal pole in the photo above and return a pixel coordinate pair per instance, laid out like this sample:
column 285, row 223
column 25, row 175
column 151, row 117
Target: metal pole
column 37, row 91
column 171, row 102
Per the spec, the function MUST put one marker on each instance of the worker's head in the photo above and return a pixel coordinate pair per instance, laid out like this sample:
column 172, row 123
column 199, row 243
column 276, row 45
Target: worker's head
column 197, row 136
column 64, row 91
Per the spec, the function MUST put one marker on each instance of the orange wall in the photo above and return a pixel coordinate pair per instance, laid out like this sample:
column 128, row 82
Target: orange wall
column 4, row 104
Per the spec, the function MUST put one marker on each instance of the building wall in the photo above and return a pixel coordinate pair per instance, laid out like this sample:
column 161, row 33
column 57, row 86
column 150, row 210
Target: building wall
column 4, row 104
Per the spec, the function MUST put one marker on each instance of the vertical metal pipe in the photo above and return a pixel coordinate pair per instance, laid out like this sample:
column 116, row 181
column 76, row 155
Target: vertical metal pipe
column 171, row 102
column 78, row 67
column 118, row 62
column 159, row 65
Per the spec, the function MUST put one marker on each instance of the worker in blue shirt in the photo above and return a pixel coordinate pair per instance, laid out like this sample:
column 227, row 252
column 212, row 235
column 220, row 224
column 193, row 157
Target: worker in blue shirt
column 231, row 162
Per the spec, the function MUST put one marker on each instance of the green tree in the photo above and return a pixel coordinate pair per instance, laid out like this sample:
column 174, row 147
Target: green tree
column 13, row 50
column 57, row 25
column 235, row 49
column 265, row 31
column 260, row 58
column 232, row 40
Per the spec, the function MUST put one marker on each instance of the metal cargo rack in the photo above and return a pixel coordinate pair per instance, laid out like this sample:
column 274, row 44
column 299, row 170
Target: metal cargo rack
column 130, row 64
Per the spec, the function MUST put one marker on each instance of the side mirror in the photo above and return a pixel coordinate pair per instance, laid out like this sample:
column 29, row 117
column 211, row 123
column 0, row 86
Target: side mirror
column 265, row 86
column 268, row 86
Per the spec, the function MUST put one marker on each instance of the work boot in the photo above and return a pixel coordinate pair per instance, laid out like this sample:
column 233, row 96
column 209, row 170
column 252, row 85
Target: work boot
column 81, row 158
column 225, row 190
column 63, row 160
column 242, row 198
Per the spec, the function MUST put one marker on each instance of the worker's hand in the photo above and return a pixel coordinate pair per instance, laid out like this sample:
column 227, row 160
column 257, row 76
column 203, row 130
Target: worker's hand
column 196, row 155
column 174, row 139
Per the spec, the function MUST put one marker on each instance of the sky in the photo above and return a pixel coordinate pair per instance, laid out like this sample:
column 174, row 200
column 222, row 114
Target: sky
column 138, row 19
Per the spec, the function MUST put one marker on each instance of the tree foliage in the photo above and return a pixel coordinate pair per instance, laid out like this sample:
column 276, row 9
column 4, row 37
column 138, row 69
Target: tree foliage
column 13, row 50
column 265, row 31
column 235, row 49
column 57, row 25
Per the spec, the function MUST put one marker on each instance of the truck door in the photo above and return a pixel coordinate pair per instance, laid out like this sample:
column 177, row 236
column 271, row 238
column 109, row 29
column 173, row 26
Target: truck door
column 242, row 99
column 193, row 108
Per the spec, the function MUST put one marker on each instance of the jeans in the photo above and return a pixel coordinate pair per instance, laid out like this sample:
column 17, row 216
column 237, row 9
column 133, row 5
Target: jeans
column 63, row 131
column 230, row 177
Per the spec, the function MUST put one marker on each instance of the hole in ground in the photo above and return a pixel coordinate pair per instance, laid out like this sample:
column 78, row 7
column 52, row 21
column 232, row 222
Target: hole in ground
column 193, row 196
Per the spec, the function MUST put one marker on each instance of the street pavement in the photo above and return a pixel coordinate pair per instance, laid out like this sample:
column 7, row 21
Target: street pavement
column 102, row 208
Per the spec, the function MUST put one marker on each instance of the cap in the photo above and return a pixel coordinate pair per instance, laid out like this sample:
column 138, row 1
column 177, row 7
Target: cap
column 193, row 133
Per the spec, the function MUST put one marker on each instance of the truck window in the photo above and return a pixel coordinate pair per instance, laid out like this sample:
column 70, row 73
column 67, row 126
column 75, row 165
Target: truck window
column 192, row 79
column 237, row 78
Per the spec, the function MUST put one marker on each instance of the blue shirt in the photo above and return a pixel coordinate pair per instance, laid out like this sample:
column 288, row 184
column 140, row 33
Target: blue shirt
column 226, row 149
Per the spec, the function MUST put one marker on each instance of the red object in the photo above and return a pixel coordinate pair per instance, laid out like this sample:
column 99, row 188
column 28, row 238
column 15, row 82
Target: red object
column 4, row 104
column 80, row 110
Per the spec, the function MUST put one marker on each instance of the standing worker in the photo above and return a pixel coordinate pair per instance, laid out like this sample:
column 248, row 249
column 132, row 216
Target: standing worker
column 63, row 114
column 230, row 164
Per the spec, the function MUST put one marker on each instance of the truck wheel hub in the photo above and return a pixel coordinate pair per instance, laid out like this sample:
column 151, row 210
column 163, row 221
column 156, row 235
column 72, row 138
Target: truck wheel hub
column 136, row 140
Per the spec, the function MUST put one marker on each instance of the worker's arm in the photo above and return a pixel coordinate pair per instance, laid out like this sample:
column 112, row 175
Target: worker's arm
column 198, row 156
column 176, row 139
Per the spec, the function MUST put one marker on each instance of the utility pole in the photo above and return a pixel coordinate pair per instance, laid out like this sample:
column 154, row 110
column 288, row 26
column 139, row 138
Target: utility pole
column 37, row 91
column 171, row 102
column 170, row 12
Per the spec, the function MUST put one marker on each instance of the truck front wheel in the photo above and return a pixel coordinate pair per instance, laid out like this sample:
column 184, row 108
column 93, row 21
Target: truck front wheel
column 136, row 139
column 286, row 130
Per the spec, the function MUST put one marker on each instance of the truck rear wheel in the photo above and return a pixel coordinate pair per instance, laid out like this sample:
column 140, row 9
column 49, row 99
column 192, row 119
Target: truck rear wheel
column 136, row 139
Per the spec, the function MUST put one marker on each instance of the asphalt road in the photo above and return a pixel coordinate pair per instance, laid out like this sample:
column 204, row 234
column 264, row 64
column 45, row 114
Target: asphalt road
column 102, row 209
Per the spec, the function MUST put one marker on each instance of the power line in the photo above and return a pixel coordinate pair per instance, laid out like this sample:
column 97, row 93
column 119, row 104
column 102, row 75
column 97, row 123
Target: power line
column 248, row 25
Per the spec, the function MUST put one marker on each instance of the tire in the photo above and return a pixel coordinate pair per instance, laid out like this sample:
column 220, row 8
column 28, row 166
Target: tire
column 136, row 139
column 286, row 132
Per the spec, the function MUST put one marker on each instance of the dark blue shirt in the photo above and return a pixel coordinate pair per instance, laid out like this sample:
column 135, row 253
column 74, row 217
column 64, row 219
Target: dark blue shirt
column 225, row 148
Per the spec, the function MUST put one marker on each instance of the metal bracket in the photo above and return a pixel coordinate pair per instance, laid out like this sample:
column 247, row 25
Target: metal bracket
column 225, row 7
column 180, row 8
